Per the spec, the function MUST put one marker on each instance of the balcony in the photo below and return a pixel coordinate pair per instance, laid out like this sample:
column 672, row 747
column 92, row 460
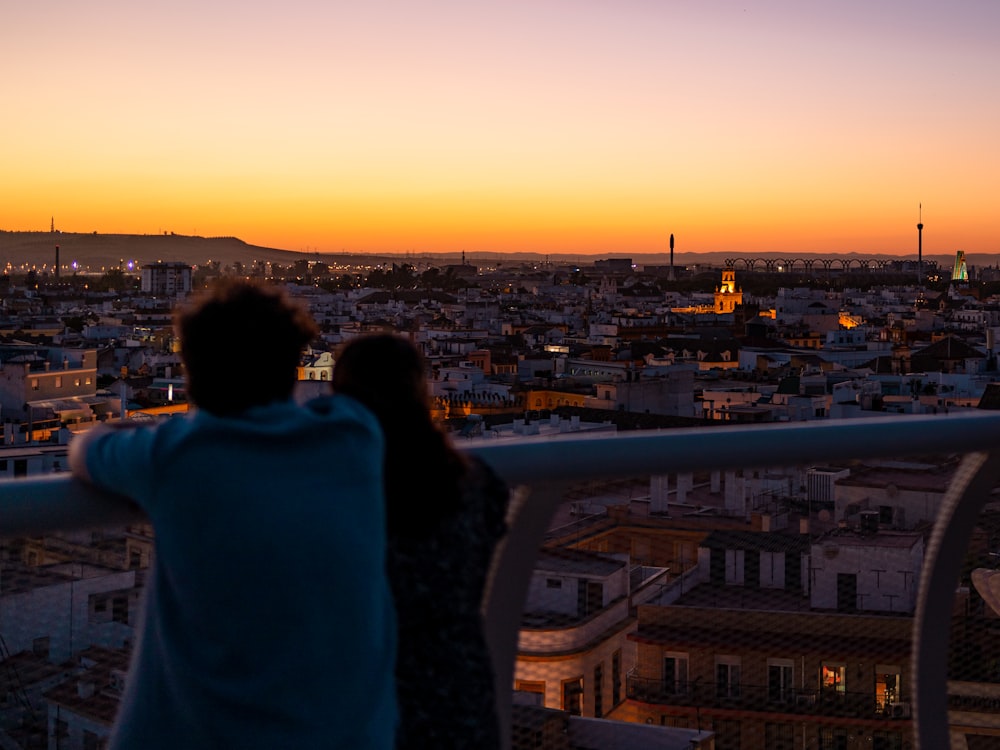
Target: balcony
column 543, row 470
column 764, row 699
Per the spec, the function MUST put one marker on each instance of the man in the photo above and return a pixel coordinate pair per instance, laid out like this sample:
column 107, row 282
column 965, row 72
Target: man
column 268, row 619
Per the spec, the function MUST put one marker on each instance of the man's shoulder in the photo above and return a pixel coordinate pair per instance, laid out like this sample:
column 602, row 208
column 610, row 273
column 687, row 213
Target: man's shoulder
column 338, row 407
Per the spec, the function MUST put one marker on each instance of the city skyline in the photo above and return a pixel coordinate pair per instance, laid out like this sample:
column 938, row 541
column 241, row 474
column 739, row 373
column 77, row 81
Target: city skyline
column 555, row 127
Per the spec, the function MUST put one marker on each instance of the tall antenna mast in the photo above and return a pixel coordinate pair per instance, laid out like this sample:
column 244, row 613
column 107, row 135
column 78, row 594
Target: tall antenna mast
column 920, row 243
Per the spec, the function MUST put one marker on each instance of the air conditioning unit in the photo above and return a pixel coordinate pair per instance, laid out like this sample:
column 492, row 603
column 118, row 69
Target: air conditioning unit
column 899, row 710
column 805, row 700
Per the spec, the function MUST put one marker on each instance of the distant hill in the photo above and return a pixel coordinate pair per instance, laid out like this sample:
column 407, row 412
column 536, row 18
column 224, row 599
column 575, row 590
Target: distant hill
column 97, row 250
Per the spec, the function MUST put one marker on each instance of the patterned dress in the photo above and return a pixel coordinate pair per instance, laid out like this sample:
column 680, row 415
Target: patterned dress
column 444, row 674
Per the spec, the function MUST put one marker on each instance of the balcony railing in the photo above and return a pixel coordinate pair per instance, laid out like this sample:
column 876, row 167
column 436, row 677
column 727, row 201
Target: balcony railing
column 542, row 468
column 858, row 705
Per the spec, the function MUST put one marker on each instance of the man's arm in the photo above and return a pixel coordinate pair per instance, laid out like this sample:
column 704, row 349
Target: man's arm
column 82, row 442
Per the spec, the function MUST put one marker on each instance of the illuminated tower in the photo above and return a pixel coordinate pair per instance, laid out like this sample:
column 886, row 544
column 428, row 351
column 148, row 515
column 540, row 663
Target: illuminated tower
column 961, row 271
column 727, row 295
column 920, row 243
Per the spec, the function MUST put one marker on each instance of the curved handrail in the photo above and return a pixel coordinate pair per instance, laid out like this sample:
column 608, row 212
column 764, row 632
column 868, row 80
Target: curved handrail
column 969, row 490
column 546, row 464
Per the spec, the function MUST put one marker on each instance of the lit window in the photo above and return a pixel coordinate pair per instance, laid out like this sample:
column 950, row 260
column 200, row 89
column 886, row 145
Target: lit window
column 831, row 678
column 886, row 685
column 58, row 381
column 86, row 380
column 34, row 384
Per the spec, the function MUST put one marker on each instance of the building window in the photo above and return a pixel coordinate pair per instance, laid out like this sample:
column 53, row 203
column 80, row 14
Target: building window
column 727, row 676
column 530, row 692
column 119, row 609
column 779, row 680
column 779, row 736
column 728, row 734
column 572, row 696
column 86, row 380
column 832, row 678
column 734, row 567
column 76, row 382
column 40, row 647
column 882, row 740
column 675, row 673
column 886, row 686
column 58, row 382
column 616, row 677
column 34, row 384
column 832, row 739
column 553, row 583
column 598, row 691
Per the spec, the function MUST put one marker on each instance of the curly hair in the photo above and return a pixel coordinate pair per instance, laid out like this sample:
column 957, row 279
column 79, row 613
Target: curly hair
column 240, row 323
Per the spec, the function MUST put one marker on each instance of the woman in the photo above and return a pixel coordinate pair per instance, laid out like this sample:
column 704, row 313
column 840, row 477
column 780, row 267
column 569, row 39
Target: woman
column 445, row 514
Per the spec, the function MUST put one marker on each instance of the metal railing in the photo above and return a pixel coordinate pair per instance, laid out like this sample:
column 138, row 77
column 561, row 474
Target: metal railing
column 764, row 698
column 541, row 469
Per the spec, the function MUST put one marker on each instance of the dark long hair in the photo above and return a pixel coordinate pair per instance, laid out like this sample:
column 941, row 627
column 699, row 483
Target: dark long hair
column 423, row 472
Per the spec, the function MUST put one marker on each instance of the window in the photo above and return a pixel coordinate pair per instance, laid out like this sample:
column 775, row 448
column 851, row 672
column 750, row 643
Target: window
column 779, row 736
column 589, row 597
column 58, row 382
column 86, row 380
column 119, row 609
column 831, row 678
column 779, row 680
column 76, row 382
column 616, row 677
column 882, row 740
column 34, row 384
column 833, row 739
column 734, row 567
column 675, row 673
column 728, row 734
column 599, row 691
column 727, row 676
column 572, row 696
column 772, row 570
column 553, row 583
column 886, row 686
column 530, row 692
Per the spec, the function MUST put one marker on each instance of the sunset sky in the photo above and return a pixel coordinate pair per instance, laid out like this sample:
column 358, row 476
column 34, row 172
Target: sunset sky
column 578, row 126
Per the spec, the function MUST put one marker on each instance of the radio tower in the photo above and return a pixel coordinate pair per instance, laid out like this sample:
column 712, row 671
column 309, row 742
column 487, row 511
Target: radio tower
column 920, row 243
column 672, row 257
